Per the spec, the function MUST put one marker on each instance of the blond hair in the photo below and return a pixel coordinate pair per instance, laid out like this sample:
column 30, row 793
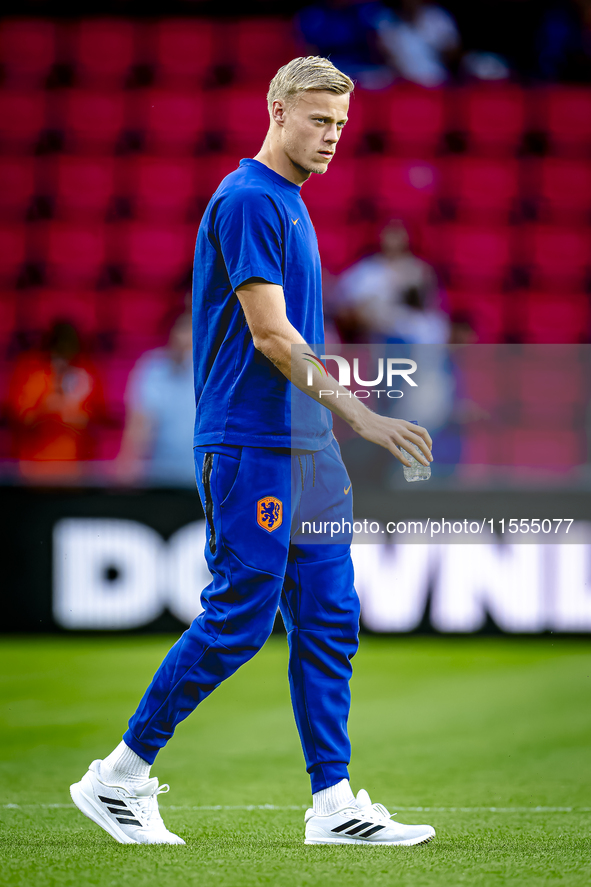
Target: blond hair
column 302, row 74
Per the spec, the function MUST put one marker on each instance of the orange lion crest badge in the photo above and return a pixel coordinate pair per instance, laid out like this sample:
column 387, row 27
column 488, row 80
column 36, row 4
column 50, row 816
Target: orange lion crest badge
column 269, row 513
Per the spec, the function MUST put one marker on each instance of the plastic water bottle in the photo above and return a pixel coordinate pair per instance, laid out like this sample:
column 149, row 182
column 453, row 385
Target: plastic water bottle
column 417, row 470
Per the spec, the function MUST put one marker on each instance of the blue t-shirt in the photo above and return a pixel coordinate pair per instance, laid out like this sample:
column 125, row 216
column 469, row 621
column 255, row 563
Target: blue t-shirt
column 256, row 225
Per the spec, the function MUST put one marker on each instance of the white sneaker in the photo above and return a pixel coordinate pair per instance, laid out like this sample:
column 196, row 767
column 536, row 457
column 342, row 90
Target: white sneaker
column 363, row 823
column 130, row 815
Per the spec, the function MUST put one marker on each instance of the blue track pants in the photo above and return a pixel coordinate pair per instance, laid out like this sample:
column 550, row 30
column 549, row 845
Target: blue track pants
column 254, row 501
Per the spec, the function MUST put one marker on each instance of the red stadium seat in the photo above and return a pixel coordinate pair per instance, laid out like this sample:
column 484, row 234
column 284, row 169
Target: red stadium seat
column 8, row 315
column 22, row 119
column 360, row 124
column 27, row 51
column 402, row 188
column 183, row 51
column 481, row 189
column 92, row 121
column 114, row 373
column 211, row 169
column 558, row 375
column 493, row 117
column 478, row 369
column 478, row 452
column 473, row 255
column 557, row 256
column 260, row 46
column 172, row 121
column 13, row 252
column 242, row 117
column 341, row 245
column 550, row 318
column 524, row 451
column 103, row 51
column 487, row 312
column 142, row 319
column 550, row 451
column 155, row 257
column 566, row 118
column 73, row 255
column 412, row 118
column 46, row 306
column 332, row 195
column 561, row 190
column 17, row 187
column 162, row 189
column 83, row 187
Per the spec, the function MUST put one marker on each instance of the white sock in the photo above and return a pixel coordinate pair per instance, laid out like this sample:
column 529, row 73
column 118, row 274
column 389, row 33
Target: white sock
column 123, row 765
column 333, row 798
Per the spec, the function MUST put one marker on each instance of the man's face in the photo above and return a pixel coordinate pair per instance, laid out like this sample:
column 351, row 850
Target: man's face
column 312, row 126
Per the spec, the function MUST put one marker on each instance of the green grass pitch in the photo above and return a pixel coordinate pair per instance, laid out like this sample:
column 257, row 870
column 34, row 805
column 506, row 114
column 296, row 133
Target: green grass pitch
column 491, row 734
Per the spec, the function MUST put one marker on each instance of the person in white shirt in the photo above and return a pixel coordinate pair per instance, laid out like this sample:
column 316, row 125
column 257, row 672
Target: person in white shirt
column 157, row 444
column 392, row 295
column 420, row 42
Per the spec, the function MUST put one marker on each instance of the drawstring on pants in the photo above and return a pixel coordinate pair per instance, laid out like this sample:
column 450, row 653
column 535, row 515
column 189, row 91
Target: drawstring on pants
column 313, row 470
column 301, row 470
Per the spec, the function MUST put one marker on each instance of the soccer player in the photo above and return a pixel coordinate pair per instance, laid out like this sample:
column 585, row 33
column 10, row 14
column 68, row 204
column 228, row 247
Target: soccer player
column 256, row 294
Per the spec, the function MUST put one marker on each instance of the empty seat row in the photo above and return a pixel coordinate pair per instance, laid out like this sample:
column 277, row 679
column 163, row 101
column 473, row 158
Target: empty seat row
column 92, row 188
column 62, row 254
column 69, row 254
column 403, row 119
column 530, row 376
column 493, row 257
column 130, row 320
column 522, row 452
column 471, row 189
column 550, row 257
column 166, row 121
column 154, row 188
column 107, row 52
column 527, row 316
column 141, row 316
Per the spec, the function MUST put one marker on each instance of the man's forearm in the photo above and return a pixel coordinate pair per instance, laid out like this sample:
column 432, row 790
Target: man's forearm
column 274, row 336
column 278, row 349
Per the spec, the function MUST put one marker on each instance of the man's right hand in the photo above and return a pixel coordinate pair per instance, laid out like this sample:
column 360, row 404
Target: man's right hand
column 396, row 435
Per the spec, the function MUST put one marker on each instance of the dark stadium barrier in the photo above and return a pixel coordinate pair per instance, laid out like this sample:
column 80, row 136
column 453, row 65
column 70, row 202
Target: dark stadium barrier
column 95, row 559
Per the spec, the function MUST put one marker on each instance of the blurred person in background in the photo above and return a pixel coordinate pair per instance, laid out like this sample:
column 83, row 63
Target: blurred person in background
column 55, row 401
column 563, row 41
column 157, row 444
column 421, row 42
column 391, row 295
column 346, row 31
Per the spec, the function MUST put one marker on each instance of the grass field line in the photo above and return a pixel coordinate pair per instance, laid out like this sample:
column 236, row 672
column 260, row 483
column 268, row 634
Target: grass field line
column 185, row 807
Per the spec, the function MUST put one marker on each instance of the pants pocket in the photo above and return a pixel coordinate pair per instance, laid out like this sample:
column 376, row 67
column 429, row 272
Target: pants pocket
column 206, row 479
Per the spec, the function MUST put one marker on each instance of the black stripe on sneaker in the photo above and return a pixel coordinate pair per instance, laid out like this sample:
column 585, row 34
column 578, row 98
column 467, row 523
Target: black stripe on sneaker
column 112, row 801
column 119, row 810
column 341, row 828
column 359, row 828
column 128, row 821
column 371, row 831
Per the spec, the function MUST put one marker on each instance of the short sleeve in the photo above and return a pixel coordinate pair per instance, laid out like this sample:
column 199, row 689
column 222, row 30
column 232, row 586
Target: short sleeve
column 249, row 231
